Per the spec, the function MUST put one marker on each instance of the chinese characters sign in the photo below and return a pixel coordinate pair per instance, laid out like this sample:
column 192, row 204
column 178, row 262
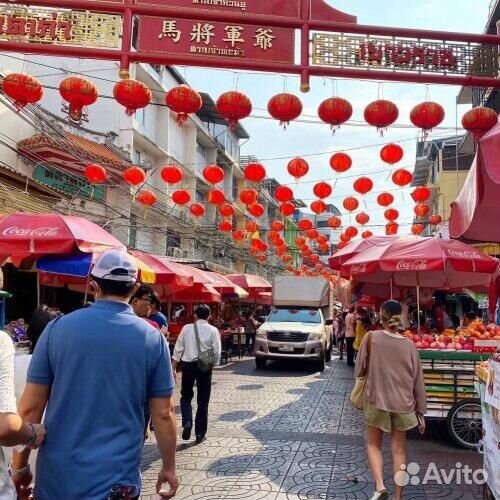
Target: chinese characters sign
column 87, row 29
column 202, row 39
column 350, row 51
column 266, row 8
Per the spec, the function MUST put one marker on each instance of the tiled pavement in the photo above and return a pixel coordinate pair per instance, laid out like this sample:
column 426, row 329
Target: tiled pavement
column 288, row 433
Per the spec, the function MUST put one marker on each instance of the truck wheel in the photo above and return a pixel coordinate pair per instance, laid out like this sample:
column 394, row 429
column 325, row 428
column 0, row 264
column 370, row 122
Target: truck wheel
column 260, row 363
column 320, row 365
column 328, row 355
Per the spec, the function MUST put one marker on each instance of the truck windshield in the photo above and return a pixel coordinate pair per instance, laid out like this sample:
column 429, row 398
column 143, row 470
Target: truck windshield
column 294, row 316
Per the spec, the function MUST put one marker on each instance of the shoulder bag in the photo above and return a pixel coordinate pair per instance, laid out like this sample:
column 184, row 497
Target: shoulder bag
column 206, row 359
column 358, row 394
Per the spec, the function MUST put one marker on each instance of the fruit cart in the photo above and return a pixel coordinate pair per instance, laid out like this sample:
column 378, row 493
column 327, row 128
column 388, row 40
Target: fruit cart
column 451, row 395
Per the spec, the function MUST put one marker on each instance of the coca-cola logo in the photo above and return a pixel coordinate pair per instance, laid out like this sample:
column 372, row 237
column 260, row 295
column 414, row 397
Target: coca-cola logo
column 358, row 269
column 39, row 231
column 464, row 254
column 411, row 265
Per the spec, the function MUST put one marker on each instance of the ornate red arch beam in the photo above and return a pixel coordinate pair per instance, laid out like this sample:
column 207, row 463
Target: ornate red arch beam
column 249, row 35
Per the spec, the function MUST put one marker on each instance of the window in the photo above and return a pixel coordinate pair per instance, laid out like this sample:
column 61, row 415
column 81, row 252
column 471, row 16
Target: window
column 132, row 234
column 201, row 150
column 137, row 157
column 235, row 188
column 322, row 223
column 294, row 316
column 140, row 116
column 173, row 240
column 199, row 196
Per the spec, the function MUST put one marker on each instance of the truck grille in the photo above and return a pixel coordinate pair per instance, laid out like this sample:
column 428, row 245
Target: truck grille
column 297, row 350
column 287, row 336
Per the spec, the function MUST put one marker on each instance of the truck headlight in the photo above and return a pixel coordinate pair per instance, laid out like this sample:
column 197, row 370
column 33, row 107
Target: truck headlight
column 261, row 334
column 316, row 336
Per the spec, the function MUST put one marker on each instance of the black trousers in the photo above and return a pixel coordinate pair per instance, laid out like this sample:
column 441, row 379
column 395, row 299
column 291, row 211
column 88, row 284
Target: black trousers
column 349, row 341
column 250, row 336
column 191, row 375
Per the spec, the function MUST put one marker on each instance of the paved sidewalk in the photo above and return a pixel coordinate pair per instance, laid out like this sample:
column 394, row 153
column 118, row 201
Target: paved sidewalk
column 288, row 433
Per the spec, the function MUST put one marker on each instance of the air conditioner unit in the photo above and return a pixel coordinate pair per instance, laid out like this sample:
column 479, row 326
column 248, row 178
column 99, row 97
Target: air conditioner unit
column 178, row 253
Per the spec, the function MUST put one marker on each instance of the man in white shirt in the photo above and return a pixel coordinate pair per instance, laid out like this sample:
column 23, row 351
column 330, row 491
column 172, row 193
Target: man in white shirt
column 186, row 353
column 350, row 335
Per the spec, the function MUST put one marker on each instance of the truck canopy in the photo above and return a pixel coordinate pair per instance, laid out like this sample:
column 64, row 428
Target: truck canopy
column 298, row 291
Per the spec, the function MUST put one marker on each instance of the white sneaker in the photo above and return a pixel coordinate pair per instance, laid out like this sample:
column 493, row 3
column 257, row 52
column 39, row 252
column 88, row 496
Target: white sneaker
column 380, row 495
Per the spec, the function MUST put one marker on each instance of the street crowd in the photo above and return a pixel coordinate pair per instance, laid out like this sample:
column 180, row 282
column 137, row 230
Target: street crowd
column 99, row 379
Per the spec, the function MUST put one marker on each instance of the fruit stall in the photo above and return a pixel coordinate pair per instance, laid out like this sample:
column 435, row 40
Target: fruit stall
column 450, row 361
column 488, row 388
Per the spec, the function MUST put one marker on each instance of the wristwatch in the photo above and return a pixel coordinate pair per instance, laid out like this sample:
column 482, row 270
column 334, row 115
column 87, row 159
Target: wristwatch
column 32, row 440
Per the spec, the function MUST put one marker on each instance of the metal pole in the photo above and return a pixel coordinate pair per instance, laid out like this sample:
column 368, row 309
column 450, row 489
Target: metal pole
column 38, row 289
column 392, row 291
column 418, row 308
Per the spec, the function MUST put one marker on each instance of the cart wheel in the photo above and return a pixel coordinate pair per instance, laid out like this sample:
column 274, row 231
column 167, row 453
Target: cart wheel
column 464, row 423
column 260, row 363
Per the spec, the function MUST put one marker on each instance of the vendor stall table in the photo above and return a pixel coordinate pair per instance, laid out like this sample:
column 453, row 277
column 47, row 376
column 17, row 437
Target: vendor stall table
column 449, row 382
column 491, row 437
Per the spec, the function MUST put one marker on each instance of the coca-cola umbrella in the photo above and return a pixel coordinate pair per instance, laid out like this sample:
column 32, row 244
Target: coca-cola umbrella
column 25, row 235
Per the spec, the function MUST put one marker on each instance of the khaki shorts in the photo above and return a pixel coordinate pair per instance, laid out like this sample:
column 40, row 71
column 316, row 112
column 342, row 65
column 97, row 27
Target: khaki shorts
column 387, row 421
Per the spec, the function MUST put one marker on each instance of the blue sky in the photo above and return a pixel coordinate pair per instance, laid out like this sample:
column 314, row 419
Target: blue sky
column 269, row 141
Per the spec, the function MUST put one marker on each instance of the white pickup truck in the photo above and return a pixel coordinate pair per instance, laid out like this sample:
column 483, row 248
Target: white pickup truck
column 297, row 327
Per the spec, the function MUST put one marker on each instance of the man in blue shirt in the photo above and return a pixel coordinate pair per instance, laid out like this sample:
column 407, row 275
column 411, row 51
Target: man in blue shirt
column 156, row 315
column 97, row 368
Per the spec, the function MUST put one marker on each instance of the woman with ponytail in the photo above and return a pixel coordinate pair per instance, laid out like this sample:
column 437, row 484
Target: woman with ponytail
column 395, row 399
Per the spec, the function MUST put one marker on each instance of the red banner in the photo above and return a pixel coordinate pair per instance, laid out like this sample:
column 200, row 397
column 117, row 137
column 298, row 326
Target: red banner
column 200, row 39
column 269, row 9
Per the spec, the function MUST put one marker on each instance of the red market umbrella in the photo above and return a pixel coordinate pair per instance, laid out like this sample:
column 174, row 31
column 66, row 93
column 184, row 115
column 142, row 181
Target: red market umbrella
column 480, row 196
column 200, row 293
column 253, row 284
column 24, row 235
column 263, row 298
column 422, row 262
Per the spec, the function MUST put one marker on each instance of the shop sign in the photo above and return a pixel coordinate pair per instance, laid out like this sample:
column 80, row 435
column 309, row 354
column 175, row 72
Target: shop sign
column 404, row 54
column 492, row 396
column 38, row 25
column 200, row 39
column 71, row 184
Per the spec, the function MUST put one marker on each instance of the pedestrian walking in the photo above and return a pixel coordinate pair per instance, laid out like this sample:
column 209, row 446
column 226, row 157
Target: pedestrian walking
column 250, row 328
column 363, row 324
column 339, row 331
column 97, row 368
column 395, row 399
column 194, row 340
column 350, row 335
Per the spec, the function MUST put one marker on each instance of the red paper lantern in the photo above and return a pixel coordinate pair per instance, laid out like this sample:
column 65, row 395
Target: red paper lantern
column 256, row 209
column 146, row 198
column 272, row 236
column 335, row 111
column 391, row 228
column 171, row 174
column 283, row 193
column 385, row 199
column 318, row 206
column 249, row 196
column 366, row 234
column 226, row 210
column 479, row 120
column 391, row 214
column 304, row 248
column 134, row 176
column 234, row 106
column 391, row 153
column 427, row 115
column 22, row 89
column 362, row 218
column 184, row 101
column 254, row 250
column 341, row 245
column 381, row 114
column 417, row 229
column 286, row 258
column 287, row 209
column 322, row 190
column 95, row 174
column 279, row 242
column 344, row 238
column 312, row 234
column 324, row 247
column 213, row 174
column 334, row 222
column 322, row 238
column 255, row 172
column 350, row 203
column 314, row 258
column 262, row 258
column 238, row 235
column 290, row 269
column 181, row 197
column 216, row 196
column 304, row 224
column 351, row 232
column 363, row 185
column 197, row 209
column 251, row 226
column 225, row 226
column 79, row 92
column 297, row 168
column 421, row 194
column 421, row 210
column 435, row 220
column 402, row 177
column 277, row 225
column 285, row 108
column 299, row 241
column 340, row 162
column 131, row 94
